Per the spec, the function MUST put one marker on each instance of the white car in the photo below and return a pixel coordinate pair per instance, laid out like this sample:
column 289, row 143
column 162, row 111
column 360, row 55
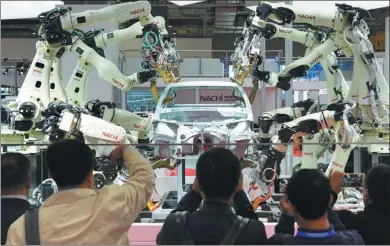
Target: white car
column 215, row 114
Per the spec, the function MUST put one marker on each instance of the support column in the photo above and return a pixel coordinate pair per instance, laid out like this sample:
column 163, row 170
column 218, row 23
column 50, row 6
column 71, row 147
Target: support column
column 16, row 79
column 288, row 57
column 387, row 49
column 123, row 94
column 263, row 94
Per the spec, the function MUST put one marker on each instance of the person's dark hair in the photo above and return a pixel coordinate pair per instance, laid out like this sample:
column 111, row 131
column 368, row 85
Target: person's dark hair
column 378, row 185
column 15, row 168
column 218, row 172
column 69, row 162
column 309, row 191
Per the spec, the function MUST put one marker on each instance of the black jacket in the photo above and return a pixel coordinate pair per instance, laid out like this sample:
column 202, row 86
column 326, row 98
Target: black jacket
column 373, row 224
column 211, row 222
column 284, row 233
column 11, row 210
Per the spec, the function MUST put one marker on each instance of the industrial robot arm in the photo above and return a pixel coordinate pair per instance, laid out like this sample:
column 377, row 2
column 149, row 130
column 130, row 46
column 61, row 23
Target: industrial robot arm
column 58, row 24
column 283, row 115
column 337, row 116
column 97, row 41
column 34, row 95
column 336, row 17
column 57, row 91
column 62, row 121
column 129, row 121
column 313, row 39
column 56, row 31
column 299, row 67
column 370, row 88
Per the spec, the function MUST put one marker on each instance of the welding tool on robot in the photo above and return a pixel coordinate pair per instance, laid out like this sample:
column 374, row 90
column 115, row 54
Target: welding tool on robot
column 337, row 116
column 247, row 53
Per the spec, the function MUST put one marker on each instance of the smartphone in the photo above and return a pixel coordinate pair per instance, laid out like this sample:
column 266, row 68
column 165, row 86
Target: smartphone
column 353, row 180
column 280, row 185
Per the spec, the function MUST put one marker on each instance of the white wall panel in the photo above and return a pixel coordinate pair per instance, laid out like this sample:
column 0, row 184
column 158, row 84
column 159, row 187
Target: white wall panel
column 18, row 48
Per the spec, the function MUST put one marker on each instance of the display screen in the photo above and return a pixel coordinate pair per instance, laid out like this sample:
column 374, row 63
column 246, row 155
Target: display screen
column 280, row 186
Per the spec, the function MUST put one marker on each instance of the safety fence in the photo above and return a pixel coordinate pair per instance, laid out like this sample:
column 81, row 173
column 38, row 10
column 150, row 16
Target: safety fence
column 179, row 168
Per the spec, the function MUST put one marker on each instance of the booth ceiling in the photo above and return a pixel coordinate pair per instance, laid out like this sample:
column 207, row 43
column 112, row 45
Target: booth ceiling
column 192, row 19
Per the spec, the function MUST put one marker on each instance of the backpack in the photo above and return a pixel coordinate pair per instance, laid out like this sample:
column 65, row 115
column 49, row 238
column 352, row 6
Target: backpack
column 229, row 239
column 31, row 225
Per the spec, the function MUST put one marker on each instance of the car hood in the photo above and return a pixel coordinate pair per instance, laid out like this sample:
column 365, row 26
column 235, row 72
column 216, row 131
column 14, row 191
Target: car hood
column 227, row 113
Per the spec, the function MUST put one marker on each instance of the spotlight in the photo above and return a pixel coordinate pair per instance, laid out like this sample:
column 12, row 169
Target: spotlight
column 22, row 68
column 5, row 72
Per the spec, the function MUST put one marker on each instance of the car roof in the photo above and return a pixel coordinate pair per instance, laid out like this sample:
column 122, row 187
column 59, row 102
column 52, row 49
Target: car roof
column 202, row 83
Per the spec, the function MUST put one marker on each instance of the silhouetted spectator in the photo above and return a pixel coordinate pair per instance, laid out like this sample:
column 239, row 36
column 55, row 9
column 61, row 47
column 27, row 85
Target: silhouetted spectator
column 307, row 200
column 79, row 215
column 15, row 187
column 219, row 181
column 373, row 224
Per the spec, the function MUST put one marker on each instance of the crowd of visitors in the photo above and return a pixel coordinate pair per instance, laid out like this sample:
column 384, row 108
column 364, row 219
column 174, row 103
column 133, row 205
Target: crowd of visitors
column 215, row 211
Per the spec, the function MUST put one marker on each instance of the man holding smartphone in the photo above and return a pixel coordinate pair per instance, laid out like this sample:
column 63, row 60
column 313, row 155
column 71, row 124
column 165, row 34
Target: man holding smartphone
column 307, row 202
column 373, row 224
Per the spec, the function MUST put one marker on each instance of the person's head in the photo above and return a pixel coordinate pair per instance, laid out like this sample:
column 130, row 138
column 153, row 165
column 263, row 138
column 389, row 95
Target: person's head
column 377, row 186
column 309, row 194
column 70, row 164
column 15, row 174
column 218, row 172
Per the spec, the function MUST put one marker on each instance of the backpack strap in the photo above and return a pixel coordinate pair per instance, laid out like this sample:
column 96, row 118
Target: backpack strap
column 235, row 231
column 181, row 219
column 31, row 225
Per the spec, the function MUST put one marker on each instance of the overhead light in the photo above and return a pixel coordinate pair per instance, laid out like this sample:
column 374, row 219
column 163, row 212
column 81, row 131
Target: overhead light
column 34, row 33
column 184, row 3
column 5, row 72
column 174, row 33
column 22, row 68
column 169, row 26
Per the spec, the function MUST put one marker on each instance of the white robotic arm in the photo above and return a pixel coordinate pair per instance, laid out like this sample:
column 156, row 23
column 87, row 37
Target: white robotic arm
column 97, row 40
column 129, row 121
column 66, row 121
column 337, row 116
column 57, row 24
column 57, row 91
column 34, row 94
column 339, row 22
column 369, row 86
column 55, row 30
column 336, row 17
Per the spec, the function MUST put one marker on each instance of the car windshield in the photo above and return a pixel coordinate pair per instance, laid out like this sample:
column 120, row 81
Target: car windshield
column 203, row 104
column 194, row 115
column 204, row 96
